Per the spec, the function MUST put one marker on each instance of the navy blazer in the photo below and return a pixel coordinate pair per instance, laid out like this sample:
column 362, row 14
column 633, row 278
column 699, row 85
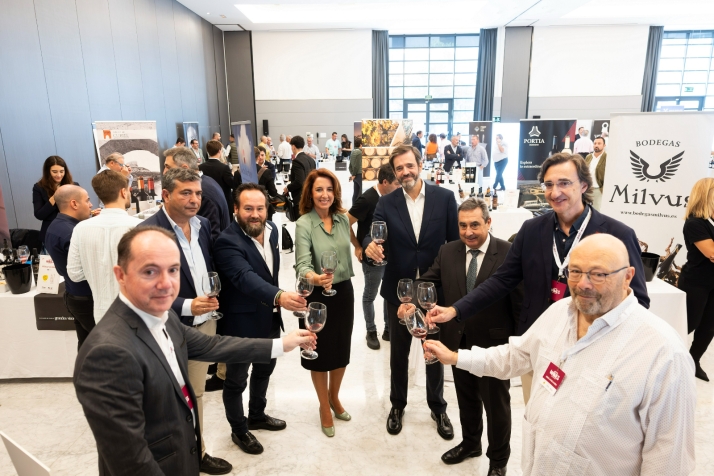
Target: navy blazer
column 214, row 207
column 44, row 210
column 248, row 289
column 530, row 260
column 404, row 255
column 187, row 290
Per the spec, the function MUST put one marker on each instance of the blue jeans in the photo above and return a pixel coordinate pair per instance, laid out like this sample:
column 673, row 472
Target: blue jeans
column 372, row 280
column 500, row 166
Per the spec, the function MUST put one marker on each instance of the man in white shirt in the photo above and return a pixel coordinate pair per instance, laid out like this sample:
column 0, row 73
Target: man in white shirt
column 285, row 153
column 93, row 248
column 584, row 145
column 613, row 389
column 443, row 142
column 311, row 149
column 499, row 154
column 333, row 147
column 476, row 154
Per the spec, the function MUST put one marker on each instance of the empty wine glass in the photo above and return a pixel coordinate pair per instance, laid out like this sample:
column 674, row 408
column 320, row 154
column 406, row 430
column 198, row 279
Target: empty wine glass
column 379, row 236
column 328, row 262
column 212, row 286
column 418, row 327
column 304, row 287
column 23, row 252
column 426, row 296
column 405, row 292
column 314, row 322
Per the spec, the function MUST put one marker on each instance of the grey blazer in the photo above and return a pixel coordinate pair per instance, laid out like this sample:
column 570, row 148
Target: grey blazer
column 133, row 403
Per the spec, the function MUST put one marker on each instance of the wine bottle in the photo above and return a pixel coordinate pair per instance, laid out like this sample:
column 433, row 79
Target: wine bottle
column 554, row 149
column 472, row 194
column 480, row 193
column 487, row 198
column 429, row 175
column 567, row 149
column 462, row 195
column 35, row 263
column 152, row 192
column 141, row 196
column 494, row 200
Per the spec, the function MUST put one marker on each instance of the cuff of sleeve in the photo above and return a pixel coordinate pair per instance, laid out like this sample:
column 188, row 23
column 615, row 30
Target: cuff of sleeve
column 473, row 361
column 458, row 314
column 186, row 307
column 277, row 350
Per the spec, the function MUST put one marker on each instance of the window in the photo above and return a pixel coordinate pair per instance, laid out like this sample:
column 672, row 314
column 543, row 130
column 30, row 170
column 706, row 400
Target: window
column 437, row 71
column 685, row 78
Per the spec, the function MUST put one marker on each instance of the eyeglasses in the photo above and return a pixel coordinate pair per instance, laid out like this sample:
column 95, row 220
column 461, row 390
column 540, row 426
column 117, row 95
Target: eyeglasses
column 595, row 278
column 561, row 184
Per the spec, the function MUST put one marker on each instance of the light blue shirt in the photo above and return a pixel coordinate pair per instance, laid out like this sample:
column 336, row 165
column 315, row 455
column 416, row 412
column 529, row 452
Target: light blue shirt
column 196, row 262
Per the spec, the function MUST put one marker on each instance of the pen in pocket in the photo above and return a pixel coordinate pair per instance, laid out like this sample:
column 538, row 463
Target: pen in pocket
column 610, row 383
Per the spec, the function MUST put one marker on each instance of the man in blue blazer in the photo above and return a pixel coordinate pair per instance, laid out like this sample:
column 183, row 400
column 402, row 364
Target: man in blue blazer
column 247, row 258
column 420, row 219
column 567, row 182
column 181, row 195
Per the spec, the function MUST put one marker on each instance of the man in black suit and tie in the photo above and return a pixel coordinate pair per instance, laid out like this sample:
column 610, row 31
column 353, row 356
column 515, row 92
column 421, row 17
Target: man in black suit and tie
column 542, row 247
column 420, row 219
column 452, row 153
column 213, row 203
column 131, row 374
column 248, row 263
column 302, row 165
column 181, row 194
column 217, row 170
column 461, row 266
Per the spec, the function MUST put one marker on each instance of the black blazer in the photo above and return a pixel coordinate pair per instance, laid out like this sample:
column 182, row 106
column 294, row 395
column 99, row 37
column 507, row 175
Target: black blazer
column 451, row 154
column 132, row 400
column 221, row 173
column 404, row 255
column 530, row 260
column 214, row 207
column 302, row 165
column 248, row 289
column 44, row 210
column 188, row 289
column 492, row 326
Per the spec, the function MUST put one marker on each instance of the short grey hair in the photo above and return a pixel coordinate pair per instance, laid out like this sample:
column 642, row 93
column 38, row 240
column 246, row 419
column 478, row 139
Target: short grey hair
column 183, row 156
column 178, row 174
column 113, row 157
column 474, row 203
column 282, row 137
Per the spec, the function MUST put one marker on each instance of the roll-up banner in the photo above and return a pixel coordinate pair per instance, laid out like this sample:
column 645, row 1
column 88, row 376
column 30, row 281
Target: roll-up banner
column 190, row 132
column 243, row 133
column 653, row 161
column 483, row 130
column 539, row 140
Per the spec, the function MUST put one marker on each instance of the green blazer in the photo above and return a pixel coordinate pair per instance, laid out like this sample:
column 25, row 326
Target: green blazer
column 600, row 169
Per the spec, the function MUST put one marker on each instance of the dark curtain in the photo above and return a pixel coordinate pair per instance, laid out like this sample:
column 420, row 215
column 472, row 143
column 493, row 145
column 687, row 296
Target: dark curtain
column 486, row 77
column 649, row 82
column 380, row 70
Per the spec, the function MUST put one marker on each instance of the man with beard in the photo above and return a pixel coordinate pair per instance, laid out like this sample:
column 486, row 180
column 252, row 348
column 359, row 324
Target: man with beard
column 596, row 162
column 420, row 219
column 247, row 259
column 616, row 391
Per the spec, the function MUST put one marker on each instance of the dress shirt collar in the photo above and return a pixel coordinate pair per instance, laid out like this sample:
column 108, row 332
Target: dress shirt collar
column 68, row 218
column 317, row 221
column 422, row 192
column 483, row 248
column 578, row 223
column 377, row 189
column 113, row 211
column 150, row 321
column 193, row 222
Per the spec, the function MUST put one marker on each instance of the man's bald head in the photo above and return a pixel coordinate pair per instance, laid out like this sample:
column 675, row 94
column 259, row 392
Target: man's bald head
column 606, row 246
column 74, row 201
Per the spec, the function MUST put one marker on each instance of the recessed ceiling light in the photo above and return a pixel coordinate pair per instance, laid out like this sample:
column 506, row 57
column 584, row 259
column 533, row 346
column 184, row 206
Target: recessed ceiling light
column 208, row 13
column 223, row 16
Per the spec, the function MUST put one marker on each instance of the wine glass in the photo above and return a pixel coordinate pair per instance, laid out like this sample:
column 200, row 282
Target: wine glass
column 212, row 286
column 405, row 292
column 314, row 322
column 418, row 327
column 328, row 262
column 426, row 296
column 23, row 252
column 304, row 287
column 379, row 236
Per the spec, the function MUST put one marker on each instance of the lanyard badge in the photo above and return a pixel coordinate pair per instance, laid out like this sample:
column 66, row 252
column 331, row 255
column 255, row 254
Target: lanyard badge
column 552, row 378
column 558, row 286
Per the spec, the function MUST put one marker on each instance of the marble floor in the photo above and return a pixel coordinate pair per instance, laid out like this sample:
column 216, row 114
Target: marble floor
column 45, row 417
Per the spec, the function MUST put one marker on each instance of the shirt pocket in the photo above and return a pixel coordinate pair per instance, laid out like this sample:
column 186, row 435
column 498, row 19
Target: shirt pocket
column 560, row 461
column 590, row 392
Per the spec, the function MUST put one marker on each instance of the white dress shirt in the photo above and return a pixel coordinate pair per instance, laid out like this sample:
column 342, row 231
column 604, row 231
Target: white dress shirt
column 480, row 256
column 443, row 143
column 593, row 168
column 626, row 405
column 416, row 211
column 196, row 263
column 584, row 144
column 285, row 152
column 93, row 254
column 266, row 252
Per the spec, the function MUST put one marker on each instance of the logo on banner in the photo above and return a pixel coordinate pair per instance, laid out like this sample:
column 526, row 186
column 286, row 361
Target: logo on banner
column 534, row 132
column 640, row 168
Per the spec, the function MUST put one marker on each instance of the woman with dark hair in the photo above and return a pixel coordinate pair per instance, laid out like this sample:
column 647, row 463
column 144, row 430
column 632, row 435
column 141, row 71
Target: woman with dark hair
column 346, row 148
column 55, row 173
column 431, row 148
column 324, row 226
column 265, row 178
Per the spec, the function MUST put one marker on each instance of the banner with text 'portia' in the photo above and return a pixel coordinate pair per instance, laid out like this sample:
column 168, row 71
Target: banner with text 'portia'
column 653, row 160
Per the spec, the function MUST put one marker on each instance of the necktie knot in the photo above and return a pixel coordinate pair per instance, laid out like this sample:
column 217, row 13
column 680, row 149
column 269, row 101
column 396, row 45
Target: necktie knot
column 474, row 253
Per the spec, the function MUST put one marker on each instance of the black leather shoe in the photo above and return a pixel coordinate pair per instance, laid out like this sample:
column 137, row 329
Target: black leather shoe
column 247, row 443
column 270, row 424
column 211, row 465
column 394, row 421
column 212, row 369
column 699, row 373
column 214, row 383
column 385, row 335
column 443, row 425
column 457, row 454
column 372, row 340
column 496, row 471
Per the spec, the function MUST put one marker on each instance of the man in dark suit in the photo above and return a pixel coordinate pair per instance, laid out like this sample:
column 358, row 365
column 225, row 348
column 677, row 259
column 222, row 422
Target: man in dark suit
column 131, row 373
column 420, row 219
column 542, row 247
column 452, row 153
column 460, row 267
column 181, row 194
column 302, row 165
column 416, row 141
column 217, row 170
column 248, row 263
column 213, row 202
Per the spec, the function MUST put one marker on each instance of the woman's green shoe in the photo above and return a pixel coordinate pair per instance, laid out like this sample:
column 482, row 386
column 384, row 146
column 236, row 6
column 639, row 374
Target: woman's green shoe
column 328, row 431
column 341, row 416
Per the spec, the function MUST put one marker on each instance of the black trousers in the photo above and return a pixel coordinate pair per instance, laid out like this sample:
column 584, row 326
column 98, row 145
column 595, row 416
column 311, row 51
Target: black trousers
column 357, row 182
column 475, row 394
column 700, row 315
column 448, row 164
column 400, row 342
column 82, row 309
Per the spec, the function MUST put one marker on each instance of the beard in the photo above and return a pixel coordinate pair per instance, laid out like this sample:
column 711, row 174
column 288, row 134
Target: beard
column 253, row 227
column 592, row 307
column 408, row 182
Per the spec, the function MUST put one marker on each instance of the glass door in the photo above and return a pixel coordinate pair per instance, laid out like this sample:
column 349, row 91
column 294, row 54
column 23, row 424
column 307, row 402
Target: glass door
column 433, row 117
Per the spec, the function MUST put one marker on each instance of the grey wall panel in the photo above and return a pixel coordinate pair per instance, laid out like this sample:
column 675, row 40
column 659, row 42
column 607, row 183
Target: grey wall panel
column 25, row 119
column 6, row 190
column 586, row 107
column 516, row 73
column 184, row 48
column 239, row 71
column 126, row 57
column 171, row 82
column 198, row 58
column 220, row 66
column 209, row 73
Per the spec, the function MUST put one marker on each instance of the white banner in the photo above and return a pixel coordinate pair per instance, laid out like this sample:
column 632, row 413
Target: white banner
column 653, row 161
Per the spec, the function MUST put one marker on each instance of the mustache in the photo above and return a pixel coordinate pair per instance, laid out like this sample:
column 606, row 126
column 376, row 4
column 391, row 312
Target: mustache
column 589, row 293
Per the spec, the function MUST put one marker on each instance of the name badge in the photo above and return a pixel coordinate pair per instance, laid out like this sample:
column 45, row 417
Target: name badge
column 557, row 290
column 552, row 378
column 187, row 395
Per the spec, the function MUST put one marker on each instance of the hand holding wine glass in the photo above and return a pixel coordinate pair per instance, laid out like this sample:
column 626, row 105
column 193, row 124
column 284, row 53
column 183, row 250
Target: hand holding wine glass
column 405, row 293
column 329, row 262
column 212, row 287
column 304, row 287
column 426, row 296
column 314, row 322
column 379, row 237
column 418, row 327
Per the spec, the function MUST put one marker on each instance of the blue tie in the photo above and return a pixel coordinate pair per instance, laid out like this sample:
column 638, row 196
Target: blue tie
column 473, row 271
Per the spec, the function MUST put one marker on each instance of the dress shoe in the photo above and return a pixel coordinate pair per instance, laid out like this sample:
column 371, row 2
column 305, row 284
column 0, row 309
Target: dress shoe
column 214, row 383
column 496, row 471
column 443, row 425
column 344, row 416
column 247, row 443
column 372, row 340
column 211, row 465
column 270, row 424
column 212, row 369
column 385, row 335
column 699, row 373
column 459, row 453
column 329, row 431
column 394, row 421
